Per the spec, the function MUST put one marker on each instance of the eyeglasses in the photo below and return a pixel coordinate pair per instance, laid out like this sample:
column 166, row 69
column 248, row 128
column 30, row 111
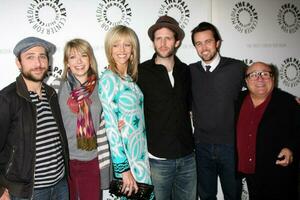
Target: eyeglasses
column 265, row 75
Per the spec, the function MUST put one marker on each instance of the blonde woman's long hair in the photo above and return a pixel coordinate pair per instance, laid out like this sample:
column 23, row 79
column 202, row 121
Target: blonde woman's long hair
column 81, row 46
column 112, row 36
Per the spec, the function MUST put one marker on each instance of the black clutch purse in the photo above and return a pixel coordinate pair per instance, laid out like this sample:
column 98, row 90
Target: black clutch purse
column 143, row 193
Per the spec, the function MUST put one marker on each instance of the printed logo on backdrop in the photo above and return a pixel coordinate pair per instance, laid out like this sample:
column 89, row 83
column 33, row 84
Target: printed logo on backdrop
column 289, row 18
column 248, row 61
column 53, row 74
column 46, row 16
column 178, row 9
column 244, row 17
column 289, row 72
column 111, row 13
column 245, row 191
column 56, row 72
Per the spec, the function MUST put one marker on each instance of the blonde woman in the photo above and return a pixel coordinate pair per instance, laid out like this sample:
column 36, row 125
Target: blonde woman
column 122, row 100
column 81, row 111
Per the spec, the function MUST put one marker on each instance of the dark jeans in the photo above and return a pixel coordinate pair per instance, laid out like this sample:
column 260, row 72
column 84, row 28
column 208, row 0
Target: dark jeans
column 56, row 192
column 174, row 178
column 215, row 160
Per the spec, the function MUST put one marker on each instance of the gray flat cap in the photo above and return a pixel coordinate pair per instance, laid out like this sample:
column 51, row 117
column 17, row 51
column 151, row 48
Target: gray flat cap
column 30, row 42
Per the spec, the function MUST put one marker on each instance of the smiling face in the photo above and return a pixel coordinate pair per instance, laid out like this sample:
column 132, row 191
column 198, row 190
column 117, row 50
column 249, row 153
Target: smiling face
column 259, row 86
column 33, row 64
column 165, row 43
column 121, row 52
column 206, row 45
column 79, row 64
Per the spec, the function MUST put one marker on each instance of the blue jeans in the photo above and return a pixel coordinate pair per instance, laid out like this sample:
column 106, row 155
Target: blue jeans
column 174, row 178
column 215, row 160
column 57, row 192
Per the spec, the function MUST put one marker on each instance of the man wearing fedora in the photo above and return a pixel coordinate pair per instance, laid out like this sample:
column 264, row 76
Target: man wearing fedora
column 33, row 149
column 165, row 83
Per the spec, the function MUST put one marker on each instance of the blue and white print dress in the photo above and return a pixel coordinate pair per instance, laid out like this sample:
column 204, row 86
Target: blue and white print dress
column 123, row 100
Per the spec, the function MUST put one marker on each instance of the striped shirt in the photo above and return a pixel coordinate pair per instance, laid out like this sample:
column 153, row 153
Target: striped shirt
column 49, row 164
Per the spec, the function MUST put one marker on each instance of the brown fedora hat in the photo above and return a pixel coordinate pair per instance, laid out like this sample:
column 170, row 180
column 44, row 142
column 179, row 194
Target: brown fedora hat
column 167, row 22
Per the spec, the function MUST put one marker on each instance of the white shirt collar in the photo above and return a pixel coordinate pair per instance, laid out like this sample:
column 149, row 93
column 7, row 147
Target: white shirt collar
column 213, row 64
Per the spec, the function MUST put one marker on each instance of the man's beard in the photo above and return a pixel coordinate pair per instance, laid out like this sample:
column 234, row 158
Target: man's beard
column 29, row 76
column 168, row 55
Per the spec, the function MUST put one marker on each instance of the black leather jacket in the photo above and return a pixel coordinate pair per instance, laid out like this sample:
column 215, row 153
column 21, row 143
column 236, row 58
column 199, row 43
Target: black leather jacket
column 17, row 137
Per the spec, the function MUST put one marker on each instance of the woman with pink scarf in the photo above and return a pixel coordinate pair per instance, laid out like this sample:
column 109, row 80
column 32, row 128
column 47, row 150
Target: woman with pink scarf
column 81, row 111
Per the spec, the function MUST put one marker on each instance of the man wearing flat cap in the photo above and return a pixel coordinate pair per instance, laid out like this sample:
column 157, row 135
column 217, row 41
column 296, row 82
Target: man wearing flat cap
column 33, row 149
column 164, row 81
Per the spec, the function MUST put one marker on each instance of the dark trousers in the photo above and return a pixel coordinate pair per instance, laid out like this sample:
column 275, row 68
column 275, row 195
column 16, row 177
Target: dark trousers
column 213, row 161
column 270, row 189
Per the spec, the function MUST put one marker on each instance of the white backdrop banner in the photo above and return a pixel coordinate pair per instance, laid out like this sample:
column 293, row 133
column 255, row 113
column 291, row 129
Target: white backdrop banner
column 62, row 20
column 265, row 30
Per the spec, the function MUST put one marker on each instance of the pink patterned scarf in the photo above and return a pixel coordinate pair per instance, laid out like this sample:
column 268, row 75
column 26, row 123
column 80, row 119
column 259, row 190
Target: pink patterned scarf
column 79, row 103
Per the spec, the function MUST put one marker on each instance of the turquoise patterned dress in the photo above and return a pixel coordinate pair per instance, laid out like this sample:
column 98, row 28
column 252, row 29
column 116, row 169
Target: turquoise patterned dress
column 123, row 100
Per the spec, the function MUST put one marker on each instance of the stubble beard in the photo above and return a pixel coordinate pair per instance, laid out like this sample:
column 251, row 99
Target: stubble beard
column 169, row 54
column 29, row 76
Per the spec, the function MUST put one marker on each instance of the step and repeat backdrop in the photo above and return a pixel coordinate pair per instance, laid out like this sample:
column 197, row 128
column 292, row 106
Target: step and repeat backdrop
column 252, row 30
column 266, row 30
